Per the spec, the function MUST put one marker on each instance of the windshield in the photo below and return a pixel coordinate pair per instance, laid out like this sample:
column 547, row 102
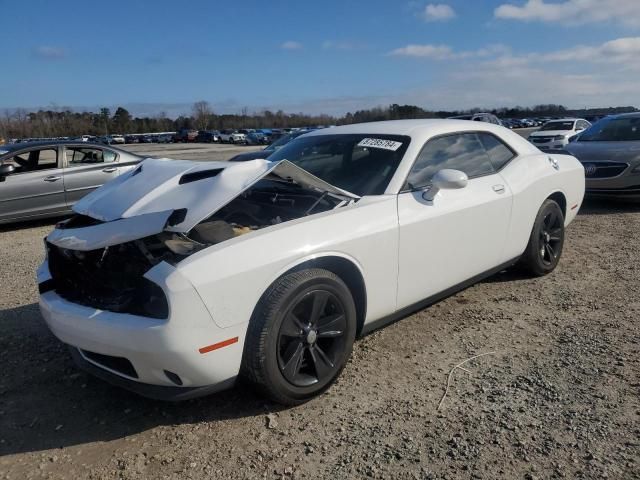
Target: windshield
column 283, row 141
column 566, row 125
column 625, row 129
column 362, row 164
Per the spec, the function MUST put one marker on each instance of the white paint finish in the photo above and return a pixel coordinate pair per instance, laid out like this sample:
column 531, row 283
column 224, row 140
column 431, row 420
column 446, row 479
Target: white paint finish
column 232, row 276
column 458, row 235
column 152, row 345
column 155, row 187
column 110, row 233
column 532, row 179
column 406, row 248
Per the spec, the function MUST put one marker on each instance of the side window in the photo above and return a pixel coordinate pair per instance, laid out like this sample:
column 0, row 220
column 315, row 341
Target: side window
column 83, row 156
column 499, row 153
column 109, row 156
column 462, row 151
column 34, row 160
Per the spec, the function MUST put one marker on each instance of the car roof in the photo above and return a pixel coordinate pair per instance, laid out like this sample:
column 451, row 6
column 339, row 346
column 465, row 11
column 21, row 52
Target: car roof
column 568, row 119
column 13, row 147
column 423, row 129
column 625, row 115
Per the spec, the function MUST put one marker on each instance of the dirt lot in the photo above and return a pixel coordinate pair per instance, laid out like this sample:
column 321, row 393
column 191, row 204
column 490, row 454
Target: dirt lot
column 558, row 398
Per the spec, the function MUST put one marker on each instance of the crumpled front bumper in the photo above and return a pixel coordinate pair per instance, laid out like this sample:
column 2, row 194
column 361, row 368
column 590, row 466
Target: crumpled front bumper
column 153, row 347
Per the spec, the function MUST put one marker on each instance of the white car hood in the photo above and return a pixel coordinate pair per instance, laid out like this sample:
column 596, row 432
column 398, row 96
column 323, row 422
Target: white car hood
column 171, row 195
column 550, row 133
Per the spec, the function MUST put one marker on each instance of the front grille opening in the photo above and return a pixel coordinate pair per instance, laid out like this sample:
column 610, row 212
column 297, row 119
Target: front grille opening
column 107, row 279
column 117, row 364
column 604, row 170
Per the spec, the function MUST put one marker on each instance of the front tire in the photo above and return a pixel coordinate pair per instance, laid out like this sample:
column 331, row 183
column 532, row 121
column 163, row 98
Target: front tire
column 300, row 336
column 546, row 241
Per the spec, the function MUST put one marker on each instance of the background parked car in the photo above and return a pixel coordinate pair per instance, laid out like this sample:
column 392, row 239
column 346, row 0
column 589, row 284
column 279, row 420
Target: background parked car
column 232, row 136
column 117, row 139
column 610, row 153
column 185, row 135
column 556, row 133
column 45, row 179
column 208, row 136
column 165, row 138
column 281, row 142
column 256, row 138
column 479, row 117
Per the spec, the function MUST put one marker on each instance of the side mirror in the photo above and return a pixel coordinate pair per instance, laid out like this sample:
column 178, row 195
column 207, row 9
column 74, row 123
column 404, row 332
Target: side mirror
column 445, row 179
column 6, row 169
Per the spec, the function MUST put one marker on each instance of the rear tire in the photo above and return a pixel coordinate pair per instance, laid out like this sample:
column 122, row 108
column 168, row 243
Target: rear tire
column 546, row 241
column 300, row 336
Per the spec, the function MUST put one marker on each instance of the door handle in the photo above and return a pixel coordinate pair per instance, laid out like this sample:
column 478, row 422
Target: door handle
column 498, row 188
column 109, row 169
column 52, row 178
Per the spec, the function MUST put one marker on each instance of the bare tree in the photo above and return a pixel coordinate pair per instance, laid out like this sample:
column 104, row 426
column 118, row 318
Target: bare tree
column 202, row 114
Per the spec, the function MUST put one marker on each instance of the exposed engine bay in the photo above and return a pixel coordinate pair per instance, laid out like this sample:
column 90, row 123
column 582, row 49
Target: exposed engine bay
column 268, row 202
column 112, row 278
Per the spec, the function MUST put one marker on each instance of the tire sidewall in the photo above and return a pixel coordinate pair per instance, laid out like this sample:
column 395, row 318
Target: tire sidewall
column 273, row 321
column 534, row 260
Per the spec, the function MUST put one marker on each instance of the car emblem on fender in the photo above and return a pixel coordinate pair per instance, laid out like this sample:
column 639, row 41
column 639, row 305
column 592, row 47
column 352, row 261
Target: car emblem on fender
column 589, row 169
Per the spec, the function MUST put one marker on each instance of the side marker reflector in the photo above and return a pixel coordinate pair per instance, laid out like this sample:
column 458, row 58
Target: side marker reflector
column 574, row 207
column 216, row 346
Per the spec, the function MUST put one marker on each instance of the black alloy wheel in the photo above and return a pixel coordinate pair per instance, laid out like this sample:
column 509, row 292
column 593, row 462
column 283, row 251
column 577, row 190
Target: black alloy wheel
column 300, row 336
column 312, row 338
column 546, row 240
column 551, row 237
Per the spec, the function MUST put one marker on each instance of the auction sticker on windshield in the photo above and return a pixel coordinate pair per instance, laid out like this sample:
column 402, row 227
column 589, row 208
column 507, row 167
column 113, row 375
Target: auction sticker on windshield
column 380, row 143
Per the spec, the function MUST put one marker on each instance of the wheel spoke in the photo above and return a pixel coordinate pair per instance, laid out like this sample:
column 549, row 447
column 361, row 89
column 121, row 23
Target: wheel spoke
column 552, row 220
column 550, row 252
column 319, row 304
column 292, row 326
column 332, row 326
column 321, row 362
column 289, row 329
column 556, row 234
column 292, row 365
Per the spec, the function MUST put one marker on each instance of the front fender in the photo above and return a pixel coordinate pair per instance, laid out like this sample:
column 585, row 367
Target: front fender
column 232, row 276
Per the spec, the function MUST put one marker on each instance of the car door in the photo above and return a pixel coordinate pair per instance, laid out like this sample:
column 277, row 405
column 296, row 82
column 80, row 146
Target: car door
column 461, row 233
column 36, row 186
column 86, row 168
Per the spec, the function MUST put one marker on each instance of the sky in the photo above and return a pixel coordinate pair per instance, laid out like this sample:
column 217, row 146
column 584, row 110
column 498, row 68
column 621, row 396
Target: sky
column 325, row 56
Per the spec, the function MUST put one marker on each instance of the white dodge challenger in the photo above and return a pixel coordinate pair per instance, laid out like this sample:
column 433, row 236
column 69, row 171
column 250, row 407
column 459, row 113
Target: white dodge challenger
column 179, row 277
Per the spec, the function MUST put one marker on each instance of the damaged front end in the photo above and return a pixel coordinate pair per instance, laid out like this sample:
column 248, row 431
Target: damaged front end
column 110, row 278
column 99, row 257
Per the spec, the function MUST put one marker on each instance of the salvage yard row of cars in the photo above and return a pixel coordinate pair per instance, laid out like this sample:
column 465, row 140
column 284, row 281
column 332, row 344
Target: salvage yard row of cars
column 176, row 278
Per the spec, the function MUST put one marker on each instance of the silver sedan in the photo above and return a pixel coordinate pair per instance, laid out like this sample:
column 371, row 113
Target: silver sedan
column 610, row 153
column 41, row 179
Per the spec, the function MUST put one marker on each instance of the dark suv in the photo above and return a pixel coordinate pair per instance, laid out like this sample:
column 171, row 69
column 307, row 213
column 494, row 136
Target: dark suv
column 185, row 135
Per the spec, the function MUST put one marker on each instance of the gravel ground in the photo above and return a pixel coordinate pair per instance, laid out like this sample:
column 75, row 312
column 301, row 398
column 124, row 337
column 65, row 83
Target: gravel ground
column 557, row 398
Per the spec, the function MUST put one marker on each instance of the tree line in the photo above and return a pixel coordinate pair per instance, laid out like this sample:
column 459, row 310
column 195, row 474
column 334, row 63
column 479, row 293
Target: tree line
column 20, row 123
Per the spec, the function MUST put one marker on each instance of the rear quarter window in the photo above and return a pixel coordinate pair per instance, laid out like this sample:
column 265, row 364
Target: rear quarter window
column 499, row 153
